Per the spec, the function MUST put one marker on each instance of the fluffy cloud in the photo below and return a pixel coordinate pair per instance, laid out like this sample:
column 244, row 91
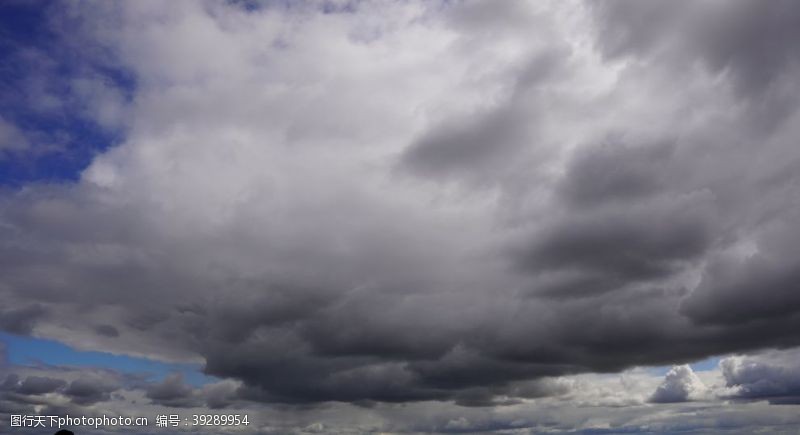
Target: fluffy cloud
column 680, row 384
column 772, row 376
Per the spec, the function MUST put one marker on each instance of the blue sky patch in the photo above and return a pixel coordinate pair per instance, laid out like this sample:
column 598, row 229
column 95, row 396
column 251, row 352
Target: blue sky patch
column 58, row 136
column 31, row 351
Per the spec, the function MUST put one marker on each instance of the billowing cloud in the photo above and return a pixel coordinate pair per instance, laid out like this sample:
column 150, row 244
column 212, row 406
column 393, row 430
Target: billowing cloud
column 375, row 203
column 771, row 376
column 680, row 385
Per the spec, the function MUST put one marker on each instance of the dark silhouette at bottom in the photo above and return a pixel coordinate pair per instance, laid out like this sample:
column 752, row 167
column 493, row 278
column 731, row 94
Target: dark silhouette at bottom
column 65, row 432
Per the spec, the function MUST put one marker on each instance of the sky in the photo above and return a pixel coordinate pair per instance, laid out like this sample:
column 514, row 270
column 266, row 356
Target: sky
column 402, row 217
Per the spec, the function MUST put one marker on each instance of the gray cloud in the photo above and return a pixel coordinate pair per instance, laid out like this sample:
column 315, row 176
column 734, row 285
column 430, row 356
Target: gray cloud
column 87, row 390
column 772, row 376
column 173, row 392
column 618, row 174
column 220, row 395
column 12, row 139
column 272, row 217
column 107, row 330
column 21, row 320
column 471, row 145
column 34, row 385
column 3, row 354
column 622, row 245
column 757, row 287
column 750, row 41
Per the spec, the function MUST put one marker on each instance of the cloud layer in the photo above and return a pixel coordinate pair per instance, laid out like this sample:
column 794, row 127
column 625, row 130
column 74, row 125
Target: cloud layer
column 397, row 202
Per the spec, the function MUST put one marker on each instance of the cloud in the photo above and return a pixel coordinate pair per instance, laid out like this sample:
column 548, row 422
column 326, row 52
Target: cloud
column 757, row 286
column 412, row 202
column 88, row 389
column 11, row 138
column 20, row 320
column 680, row 385
column 468, row 146
column 747, row 41
column 173, row 391
column 107, row 330
column 15, row 387
column 618, row 246
column 772, row 376
column 221, row 394
column 586, row 403
column 35, row 385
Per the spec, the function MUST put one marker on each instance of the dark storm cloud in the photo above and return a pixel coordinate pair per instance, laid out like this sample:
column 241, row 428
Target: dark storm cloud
column 338, row 329
column 173, row 392
column 33, row 385
column 476, row 144
column 10, row 383
column 625, row 246
column 107, row 330
column 752, row 41
column 44, row 392
column 265, row 306
column 89, row 390
column 297, row 377
column 51, row 384
column 624, row 220
column 21, row 320
column 762, row 286
column 617, row 173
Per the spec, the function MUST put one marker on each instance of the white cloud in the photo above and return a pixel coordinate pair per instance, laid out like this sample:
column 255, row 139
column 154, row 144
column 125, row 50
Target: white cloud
column 11, row 138
column 680, row 385
column 773, row 376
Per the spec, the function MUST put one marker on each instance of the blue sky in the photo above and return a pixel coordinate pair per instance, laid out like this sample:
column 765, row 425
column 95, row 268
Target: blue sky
column 36, row 96
column 23, row 350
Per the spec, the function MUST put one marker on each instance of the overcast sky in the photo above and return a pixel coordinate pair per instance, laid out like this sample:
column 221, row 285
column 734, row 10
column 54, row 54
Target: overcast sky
column 443, row 216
